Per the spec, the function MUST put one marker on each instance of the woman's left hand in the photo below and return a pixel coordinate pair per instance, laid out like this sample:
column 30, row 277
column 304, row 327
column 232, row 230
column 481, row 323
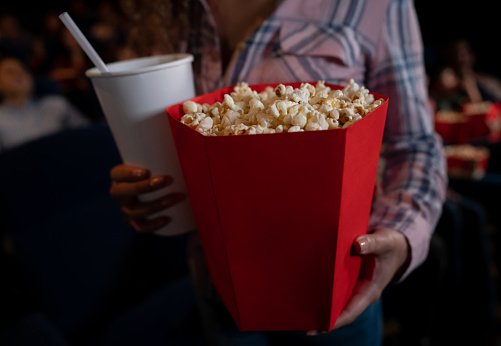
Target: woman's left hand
column 384, row 252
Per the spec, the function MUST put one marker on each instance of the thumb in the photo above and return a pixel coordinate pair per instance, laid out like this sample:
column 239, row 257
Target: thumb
column 375, row 243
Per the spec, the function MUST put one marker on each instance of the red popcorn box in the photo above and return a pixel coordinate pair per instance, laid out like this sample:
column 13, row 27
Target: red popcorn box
column 452, row 133
column 466, row 161
column 277, row 215
column 452, row 127
column 482, row 119
column 466, row 169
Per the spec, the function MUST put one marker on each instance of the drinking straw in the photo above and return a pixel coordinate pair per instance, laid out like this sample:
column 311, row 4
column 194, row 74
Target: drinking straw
column 83, row 42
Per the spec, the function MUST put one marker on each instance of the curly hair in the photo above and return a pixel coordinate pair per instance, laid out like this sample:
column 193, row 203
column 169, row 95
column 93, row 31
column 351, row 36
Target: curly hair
column 158, row 26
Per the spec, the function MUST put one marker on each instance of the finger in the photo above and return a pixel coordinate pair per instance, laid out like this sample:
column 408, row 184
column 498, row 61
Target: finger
column 315, row 332
column 126, row 173
column 150, row 226
column 142, row 210
column 124, row 190
column 375, row 243
column 366, row 293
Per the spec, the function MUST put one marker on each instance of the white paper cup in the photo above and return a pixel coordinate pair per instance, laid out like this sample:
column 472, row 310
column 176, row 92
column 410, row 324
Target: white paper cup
column 133, row 98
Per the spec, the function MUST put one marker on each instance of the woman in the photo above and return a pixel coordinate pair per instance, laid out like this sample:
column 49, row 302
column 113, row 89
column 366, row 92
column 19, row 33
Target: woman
column 376, row 43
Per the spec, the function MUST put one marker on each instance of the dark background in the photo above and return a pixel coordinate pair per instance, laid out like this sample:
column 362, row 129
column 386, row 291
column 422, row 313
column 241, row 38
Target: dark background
column 441, row 21
column 477, row 21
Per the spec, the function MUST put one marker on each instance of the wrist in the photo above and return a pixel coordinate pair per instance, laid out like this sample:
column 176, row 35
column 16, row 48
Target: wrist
column 407, row 261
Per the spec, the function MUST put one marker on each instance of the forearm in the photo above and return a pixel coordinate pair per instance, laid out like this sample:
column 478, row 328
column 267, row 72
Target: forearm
column 414, row 183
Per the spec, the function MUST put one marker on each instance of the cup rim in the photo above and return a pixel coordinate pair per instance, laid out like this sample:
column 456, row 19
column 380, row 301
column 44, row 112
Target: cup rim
column 173, row 60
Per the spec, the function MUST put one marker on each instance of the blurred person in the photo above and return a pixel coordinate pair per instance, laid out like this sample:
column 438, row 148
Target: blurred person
column 83, row 14
column 46, row 41
column 107, row 33
column 477, row 85
column 14, row 39
column 287, row 41
column 24, row 117
column 67, row 69
column 458, row 81
column 445, row 90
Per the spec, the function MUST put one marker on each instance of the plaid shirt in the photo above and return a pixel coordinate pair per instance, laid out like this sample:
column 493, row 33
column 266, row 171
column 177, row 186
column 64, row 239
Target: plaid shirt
column 376, row 43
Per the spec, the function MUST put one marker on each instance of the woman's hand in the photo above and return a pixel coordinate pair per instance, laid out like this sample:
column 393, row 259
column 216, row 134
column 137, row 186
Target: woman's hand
column 127, row 182
column 384, row 253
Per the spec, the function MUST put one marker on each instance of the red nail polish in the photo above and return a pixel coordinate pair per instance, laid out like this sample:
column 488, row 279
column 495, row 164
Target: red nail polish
column 157, row 181
column 138, row 173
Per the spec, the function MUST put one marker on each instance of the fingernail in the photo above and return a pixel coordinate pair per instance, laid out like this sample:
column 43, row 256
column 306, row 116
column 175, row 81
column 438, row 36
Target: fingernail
column 173, row 198
column 157, row 181
column 363, row 245
column 138, row 173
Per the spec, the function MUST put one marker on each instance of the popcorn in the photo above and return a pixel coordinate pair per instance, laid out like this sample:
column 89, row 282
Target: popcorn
column 190, row 107
column 466, row 152
column 450, row 116
column 281, row 109
column 477, row 107
column 205, row 125
column 466, row 161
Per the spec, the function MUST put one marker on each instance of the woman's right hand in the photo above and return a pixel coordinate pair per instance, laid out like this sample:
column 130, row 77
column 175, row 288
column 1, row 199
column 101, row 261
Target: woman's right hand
column 127, row 183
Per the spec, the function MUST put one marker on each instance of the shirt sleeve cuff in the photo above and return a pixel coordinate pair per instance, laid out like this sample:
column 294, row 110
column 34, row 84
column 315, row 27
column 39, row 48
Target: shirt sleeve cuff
column 418, row 234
